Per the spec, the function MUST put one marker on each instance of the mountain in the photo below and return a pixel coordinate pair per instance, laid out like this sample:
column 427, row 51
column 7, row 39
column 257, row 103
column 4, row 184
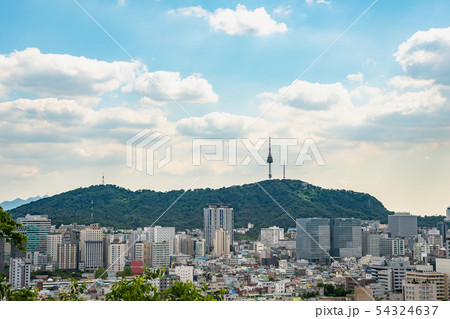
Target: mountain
column 7, row 205
column 123, row 208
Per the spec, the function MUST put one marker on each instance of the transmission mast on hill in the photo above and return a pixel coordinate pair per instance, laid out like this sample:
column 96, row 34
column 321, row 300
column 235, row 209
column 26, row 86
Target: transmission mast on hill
column 270, row 160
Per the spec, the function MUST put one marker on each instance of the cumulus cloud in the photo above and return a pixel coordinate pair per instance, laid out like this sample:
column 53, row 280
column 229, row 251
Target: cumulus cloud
column 311, row 96
column 240, row 21
column 61, row 74
column 64, row 120
column 218, row 124
column 404, row 82
column 163, row 86
column 426, row 55
column 357, row 77
column 282, row 11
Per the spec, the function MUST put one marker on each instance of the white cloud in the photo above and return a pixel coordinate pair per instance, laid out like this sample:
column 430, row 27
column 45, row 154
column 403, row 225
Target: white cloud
column 282, row 11
column 162, row 86
column 61, row 74
column 218, row 124
column 426, row 54
column 358, row 77
column 240, row 21
column 311, row 96
column 311, row 2
column 403, row 82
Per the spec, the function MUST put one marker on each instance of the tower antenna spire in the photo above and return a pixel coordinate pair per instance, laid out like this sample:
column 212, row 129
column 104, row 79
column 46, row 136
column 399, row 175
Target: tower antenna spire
column 284, row 170
column 270, row 160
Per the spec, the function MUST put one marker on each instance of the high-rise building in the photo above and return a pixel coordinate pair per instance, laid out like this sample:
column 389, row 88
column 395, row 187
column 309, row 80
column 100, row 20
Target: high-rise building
column 147, row 253
column 116, row 256
column 160, row 255
column 67, row 256
column 443, row 229
column 53, row 240
column 221, row 242
column 2, row 254
column 392, row 247
column 447, row 217
column 139, row 251
column 370, row 243
column 91, row 248
column 346, row 237
column 271, row 236
column 36, row 229
column 313, row 239
column 19, row 273
column 200, row 247
column 402, row 225
column 391, row 274
column 214, row 218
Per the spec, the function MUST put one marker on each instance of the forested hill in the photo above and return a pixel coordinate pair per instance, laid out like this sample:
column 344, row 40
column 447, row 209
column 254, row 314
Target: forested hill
column 122, row 208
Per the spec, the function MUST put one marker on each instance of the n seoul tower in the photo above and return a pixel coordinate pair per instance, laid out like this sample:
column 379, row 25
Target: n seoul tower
column 270, row 160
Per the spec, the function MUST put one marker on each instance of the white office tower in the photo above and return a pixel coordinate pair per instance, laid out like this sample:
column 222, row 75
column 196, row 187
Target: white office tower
column 200, row 247
column 447, row 218
column 221, row 242
column 271, row 236
column 216, row 217
column 116, row 257
column 91, row 248
column 53, row 240
column 19, row 273
column 160, row 234
column 186, row 273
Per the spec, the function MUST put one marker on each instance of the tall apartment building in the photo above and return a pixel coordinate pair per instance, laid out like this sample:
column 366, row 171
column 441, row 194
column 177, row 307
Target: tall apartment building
column 36, row 228
column 139, row 251
column 221, row 242
column 160, row 255
column 53, row 240
column 91, row 248
column 147, row 253
column 214, row 218
column 346, row 237
column 370, row 243
column 116, row 256
column 271, row 236
column 19, row 273
column 67, row 256
column 313, row 239
column 392, row 247
column 402, row 225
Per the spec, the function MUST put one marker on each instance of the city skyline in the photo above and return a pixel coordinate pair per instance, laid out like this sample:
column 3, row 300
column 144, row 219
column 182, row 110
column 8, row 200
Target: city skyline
column 375, row 103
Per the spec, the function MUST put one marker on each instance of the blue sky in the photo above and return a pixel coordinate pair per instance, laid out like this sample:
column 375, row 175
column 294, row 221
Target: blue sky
column 376, row 103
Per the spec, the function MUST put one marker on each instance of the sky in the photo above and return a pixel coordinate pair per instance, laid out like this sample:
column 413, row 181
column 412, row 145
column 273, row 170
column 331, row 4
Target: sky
column 367, row 82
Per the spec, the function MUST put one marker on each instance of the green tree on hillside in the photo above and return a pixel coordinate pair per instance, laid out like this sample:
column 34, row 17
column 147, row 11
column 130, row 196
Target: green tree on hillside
column 8, row 231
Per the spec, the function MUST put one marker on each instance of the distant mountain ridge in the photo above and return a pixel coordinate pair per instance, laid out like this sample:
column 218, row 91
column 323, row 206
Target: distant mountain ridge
column 123, row 208
column 7, row 205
